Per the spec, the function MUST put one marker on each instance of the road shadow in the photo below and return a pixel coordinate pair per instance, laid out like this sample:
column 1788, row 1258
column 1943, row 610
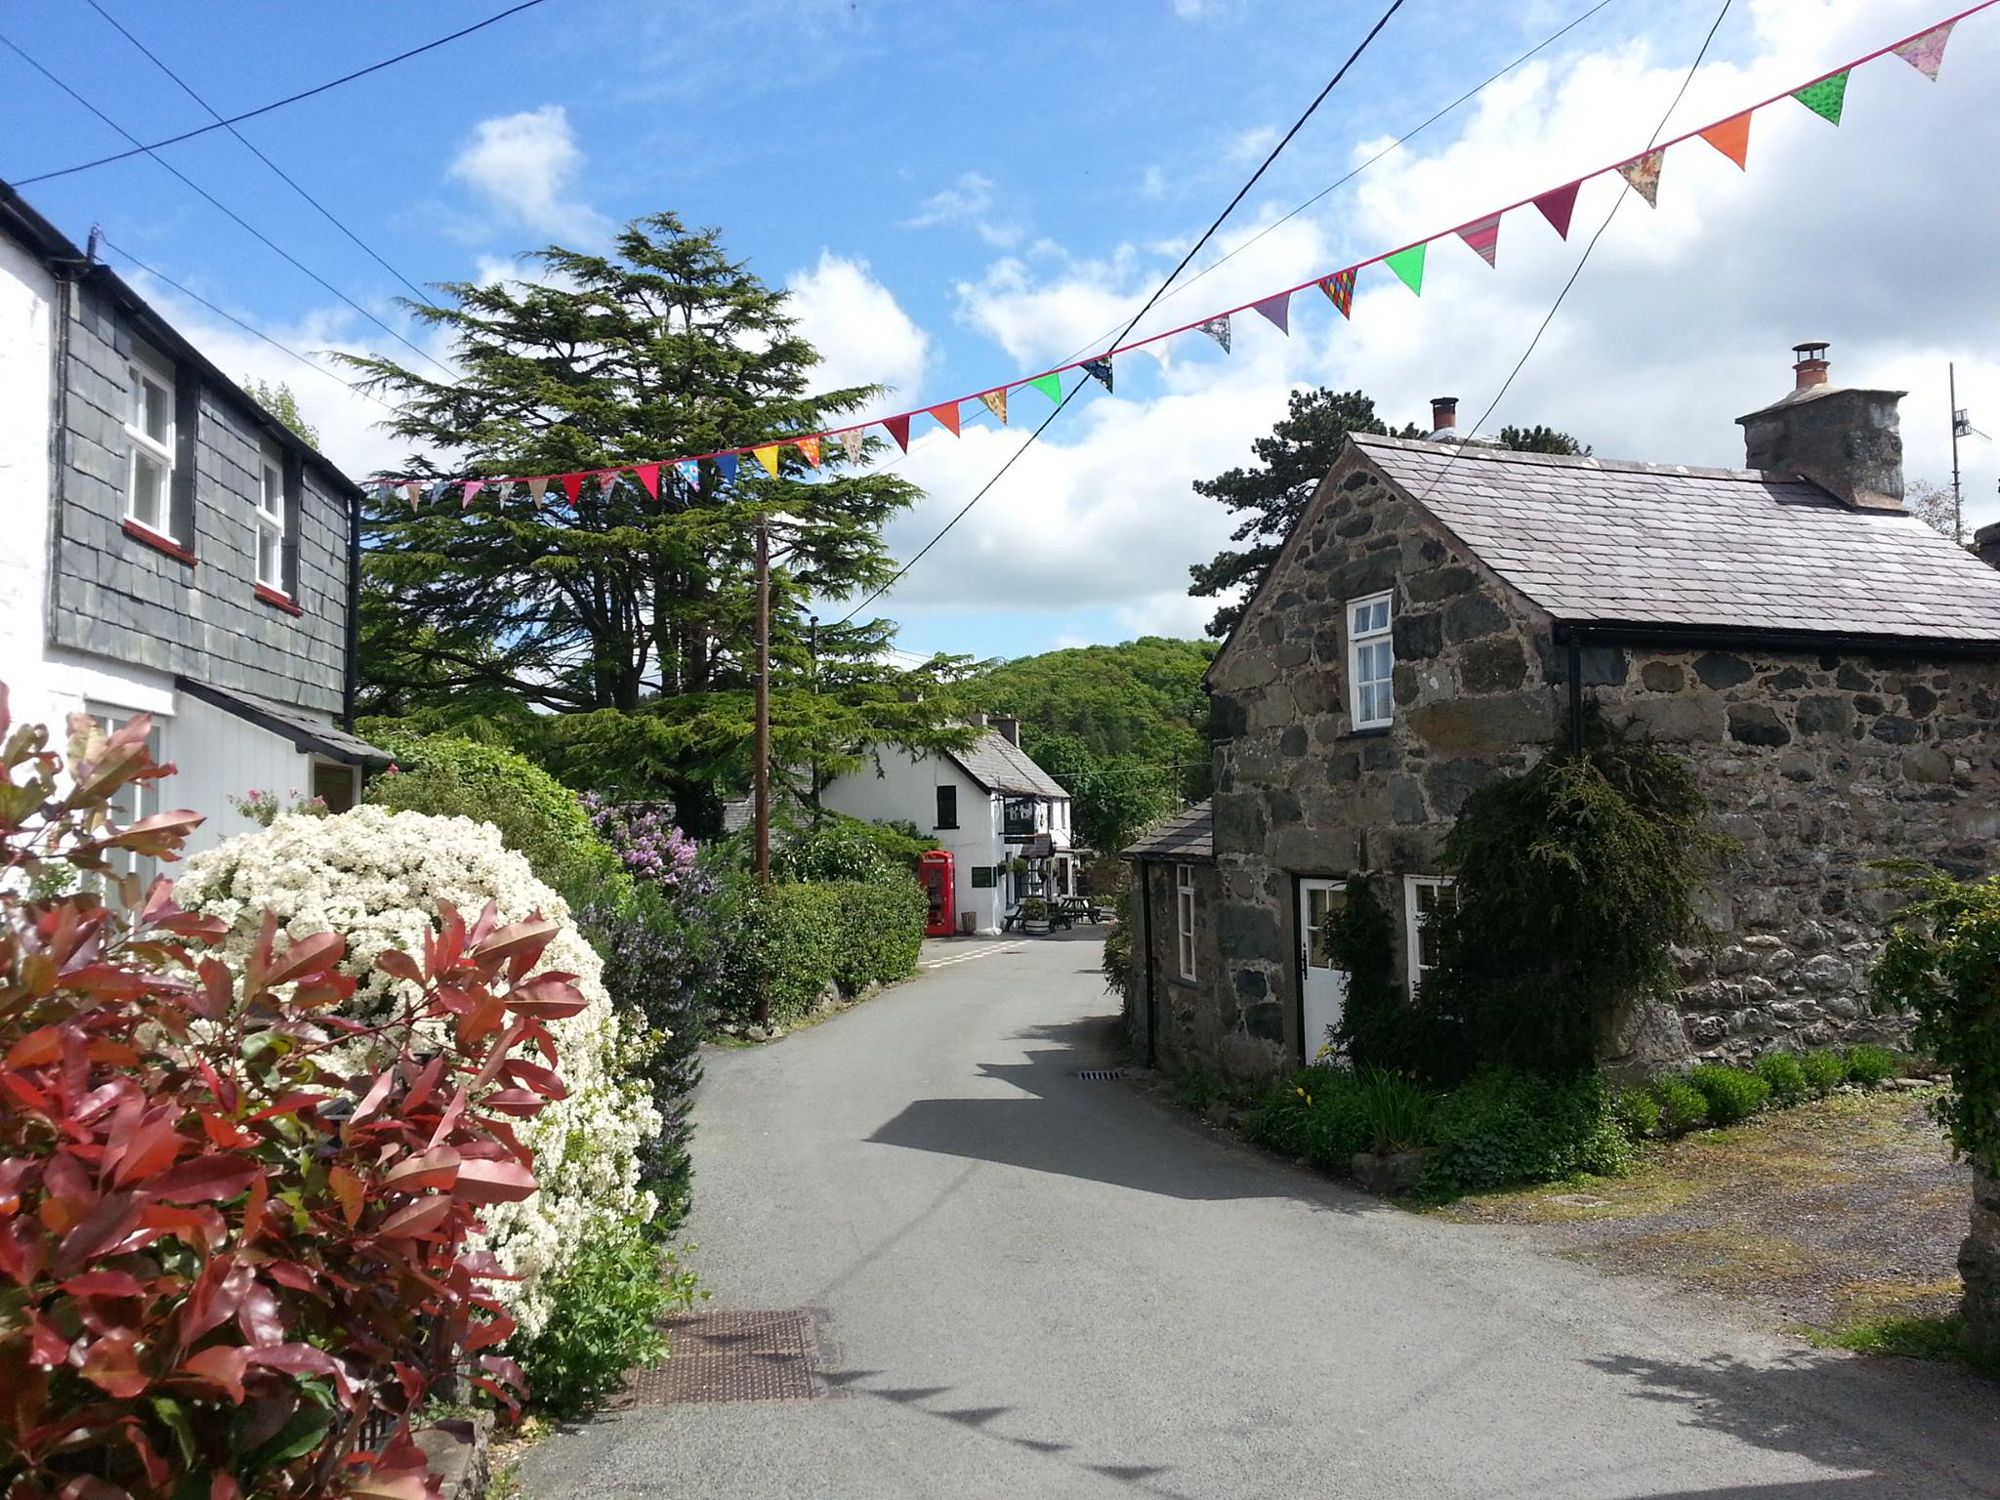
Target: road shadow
column 1904, row 1429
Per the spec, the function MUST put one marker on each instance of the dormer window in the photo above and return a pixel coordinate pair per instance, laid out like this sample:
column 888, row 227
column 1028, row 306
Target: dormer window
column 149, row 433
column 1371, row 660
column 271, row 515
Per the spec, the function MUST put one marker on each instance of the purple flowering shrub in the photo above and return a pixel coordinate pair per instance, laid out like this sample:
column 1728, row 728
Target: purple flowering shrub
column 645, row 839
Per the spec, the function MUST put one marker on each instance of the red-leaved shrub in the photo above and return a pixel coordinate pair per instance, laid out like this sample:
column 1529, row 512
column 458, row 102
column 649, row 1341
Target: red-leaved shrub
column 234, row 1259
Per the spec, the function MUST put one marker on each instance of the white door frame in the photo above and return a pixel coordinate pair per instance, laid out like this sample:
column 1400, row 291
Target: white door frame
column 1322, row 988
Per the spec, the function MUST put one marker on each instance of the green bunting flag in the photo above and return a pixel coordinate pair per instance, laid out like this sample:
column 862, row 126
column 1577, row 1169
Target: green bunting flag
column 1409, row 267
column 1825, row 97
column 1048, row 385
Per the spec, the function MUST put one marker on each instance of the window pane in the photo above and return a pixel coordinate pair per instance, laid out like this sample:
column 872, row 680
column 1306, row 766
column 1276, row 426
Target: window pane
column 270, row 557
column 274, row 488
column 149, row 490
column 153, row 416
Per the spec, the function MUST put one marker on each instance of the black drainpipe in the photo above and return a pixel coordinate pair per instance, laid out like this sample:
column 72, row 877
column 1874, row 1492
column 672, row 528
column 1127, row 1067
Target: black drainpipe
column 1152, row 1001
column 1575, row 697
column 351, row 682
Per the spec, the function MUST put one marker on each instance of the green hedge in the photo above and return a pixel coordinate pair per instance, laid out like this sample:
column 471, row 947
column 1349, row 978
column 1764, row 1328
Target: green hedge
column 797, row 939
column 881, row 932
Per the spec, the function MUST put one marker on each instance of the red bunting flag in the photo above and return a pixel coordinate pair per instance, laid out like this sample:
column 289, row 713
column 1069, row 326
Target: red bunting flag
column 649, row 476
column 1279, row 310
column 809, row 446
column 947, row 416
column 899, row 429
column 572, row 486
column 1557, row 205
column 1483, row 235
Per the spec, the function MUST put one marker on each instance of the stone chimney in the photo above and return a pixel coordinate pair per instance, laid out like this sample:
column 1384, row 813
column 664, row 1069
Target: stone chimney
column 1008, row 728
column 1444, row 414
column 1986, row 544
column 1845, row 441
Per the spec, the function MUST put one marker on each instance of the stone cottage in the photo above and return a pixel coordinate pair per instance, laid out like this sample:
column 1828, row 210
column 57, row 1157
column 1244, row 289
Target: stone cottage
column 1444, row 612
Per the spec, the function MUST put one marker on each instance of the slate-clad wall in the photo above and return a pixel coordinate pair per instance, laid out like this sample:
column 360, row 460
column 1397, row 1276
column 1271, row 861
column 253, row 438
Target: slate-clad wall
column 115, row 596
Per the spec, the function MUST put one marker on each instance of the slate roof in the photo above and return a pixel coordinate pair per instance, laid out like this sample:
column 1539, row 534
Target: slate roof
column 1000, row 765
column 302, row 729
column 1188, row 837
column 1593, row 541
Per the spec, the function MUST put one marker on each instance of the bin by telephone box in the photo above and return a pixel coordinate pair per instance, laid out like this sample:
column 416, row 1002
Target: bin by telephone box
column 934, row 874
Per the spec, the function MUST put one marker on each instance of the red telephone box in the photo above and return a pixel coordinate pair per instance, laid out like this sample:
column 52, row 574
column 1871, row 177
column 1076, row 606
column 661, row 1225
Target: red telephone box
column 934, row 874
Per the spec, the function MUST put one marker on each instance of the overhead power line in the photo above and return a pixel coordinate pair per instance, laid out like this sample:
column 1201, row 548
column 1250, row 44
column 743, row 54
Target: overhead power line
column 1158, row 292
column 249, row 145
column 265, row 109
column 227, row 212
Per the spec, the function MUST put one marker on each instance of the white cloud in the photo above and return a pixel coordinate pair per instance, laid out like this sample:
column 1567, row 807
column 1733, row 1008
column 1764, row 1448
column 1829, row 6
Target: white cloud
column 862, row 334
column 1254, row 144
column 525, row 166
column 967, row 203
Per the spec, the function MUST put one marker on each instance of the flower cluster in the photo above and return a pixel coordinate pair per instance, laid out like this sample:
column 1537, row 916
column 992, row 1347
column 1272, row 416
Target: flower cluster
column 377, row 876
column 645, row 839
column 265, row 808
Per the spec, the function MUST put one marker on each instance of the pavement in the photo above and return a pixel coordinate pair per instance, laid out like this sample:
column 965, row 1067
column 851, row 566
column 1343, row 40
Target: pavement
column 1036, row 1284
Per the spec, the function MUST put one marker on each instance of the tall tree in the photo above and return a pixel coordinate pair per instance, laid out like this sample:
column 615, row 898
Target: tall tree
column 282, row 404
column 1295, row 457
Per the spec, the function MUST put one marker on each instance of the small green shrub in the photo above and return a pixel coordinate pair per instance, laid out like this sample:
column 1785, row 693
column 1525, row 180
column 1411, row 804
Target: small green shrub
column 1504, row 1126
column 1869, row 1065
column 797, row 940
column 1395, row 1114
column 1825, row 1071
column 1732, row 1093
column 1638, row 1113
column 1315, row 1114
column 881, row 930
column 604, row 1318
column 1116, row 963
column 1786, row 1078
column 1683, row 1107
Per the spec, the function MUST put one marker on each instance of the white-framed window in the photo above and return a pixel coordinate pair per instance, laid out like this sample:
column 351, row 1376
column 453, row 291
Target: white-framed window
column 149, row 432
column 271, row 518
column 1184, row 918
column 136, row 799
column 1425, row 897
column 1371, row 660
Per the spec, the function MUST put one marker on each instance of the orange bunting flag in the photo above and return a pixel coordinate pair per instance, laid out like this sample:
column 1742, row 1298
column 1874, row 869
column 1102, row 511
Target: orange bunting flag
column 996, row 402
column 809, row 446
column 768, row 457
column 947, row 416
column 1732, row 139
column 899, row 429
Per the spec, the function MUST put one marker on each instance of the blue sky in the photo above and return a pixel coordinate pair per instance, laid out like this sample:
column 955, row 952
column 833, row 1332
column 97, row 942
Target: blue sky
column 963, row 194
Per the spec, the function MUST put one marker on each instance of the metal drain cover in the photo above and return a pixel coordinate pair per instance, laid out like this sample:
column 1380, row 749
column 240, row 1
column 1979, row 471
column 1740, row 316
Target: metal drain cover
column 1101, row 1075
column 735, row 1356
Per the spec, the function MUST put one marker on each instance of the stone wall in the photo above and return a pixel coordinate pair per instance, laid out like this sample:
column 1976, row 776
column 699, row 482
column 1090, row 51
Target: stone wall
column 1195, row 1018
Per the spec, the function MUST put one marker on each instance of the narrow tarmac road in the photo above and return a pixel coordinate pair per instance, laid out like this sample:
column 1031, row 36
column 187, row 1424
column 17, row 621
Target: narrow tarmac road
column 1036, row 1284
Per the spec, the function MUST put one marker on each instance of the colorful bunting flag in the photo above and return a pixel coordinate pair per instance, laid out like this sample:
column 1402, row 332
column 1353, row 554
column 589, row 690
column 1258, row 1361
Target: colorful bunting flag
column 725, row 467
column 1825, row 97
column 947, row 416
column 768, row 457
column 1409, row 267
column 1279, row 310
column 899, row 429
column 809, row 446
column 1557, row 205
column 384, row 491
column 690, row 471
column 1483, row 235
column 1049, row 385
column 1099, row 370
column 649, row 476
column 854, row 440
column 572, row 486
column 1732, row 139
column 1218, row 329
column 472, row 489
column 538, row 487
column 996, row 402
column 1339, row 288
column 1926, row 53
column 1643, row 173
column 415, row 490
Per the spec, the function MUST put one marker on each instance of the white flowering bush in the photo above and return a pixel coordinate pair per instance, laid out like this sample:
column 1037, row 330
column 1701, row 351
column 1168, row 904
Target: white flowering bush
column 377, row 877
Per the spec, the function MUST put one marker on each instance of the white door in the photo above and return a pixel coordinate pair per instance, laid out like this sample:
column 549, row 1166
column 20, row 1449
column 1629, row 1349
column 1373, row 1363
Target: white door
column 1322, row 987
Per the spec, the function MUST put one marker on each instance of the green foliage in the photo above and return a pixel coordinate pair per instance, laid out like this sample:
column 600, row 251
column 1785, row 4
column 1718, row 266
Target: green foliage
column 538, row 817
column 1116, row 963
column 1377, row 1025
column 1315, row 1114
column 604, row 1319
column 1638, row 1113
column 1112, row 798
column 881, row 931
column 1732, row 1093
column 1395, row 1113
column 283, row 405
column 1869, row 1065
column 1683, row 1107
column 1825, row 1071
column 844, row 848
column 1575, row 882
column 1504, row 1126
column 802, row 939
column 1539, row 439
column 1785, row 1076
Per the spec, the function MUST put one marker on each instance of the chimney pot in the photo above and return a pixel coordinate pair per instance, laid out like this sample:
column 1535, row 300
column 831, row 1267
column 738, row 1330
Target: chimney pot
column 1444, row 413
column 1810, row 368
column 1848, row 442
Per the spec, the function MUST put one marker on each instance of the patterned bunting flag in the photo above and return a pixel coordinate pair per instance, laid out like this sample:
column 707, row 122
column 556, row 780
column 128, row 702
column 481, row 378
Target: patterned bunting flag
column 996, row 402
column 854, row 440
column 607, row 482
column 1409, row 267
column 1048, row 385
column 899, row 429
column 947, row 416
column 1926, row 53
column 1218, row 329
column 384, row 490
column 1825, row 97
column 1099, row 370
column 1483, row 235
column 1339, row 288
column 472, row 489
column 537, row 488
column 1643, row 173
column 725, row 467
column 1732, row 139
column 649, row 476
column 809, row 446
column 1279, row 310
column 1557, row 205
column 572, row 486
column 768, row 457
column 690, row 471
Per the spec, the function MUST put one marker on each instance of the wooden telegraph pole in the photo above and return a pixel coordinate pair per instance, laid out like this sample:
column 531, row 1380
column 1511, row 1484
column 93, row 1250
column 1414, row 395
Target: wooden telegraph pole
column 762, row 780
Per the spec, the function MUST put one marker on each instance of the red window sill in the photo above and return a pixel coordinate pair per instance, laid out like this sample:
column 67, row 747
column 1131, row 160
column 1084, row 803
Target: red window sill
column 277, row 600
column 158, row 542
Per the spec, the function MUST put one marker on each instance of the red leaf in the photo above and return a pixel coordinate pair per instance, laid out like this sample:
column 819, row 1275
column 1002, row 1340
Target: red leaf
column 108, row 1222
column 206, row 1179
column 153, row 1148
column 47, row 1348
column 224, row 1364
column 348, row 1190
column 112, row 1365
column 493, row 1182
column 37, row 1049
column 437, row 1168
column 399, row 965
column 531, row 936
column 217, row 1293
column 104, row 1284
column 303, row 1359
column 87, row 1487
column 309, row 955
column 548, row 996
column 224, row 1487
column 259, row 1317
column 415, row 1219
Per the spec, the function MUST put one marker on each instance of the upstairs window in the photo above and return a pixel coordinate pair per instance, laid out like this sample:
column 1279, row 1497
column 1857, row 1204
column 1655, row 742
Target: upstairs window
column 1425, row 899
column 1370, row 662
column 271, row 512
column 149, row 433
column 947, row 807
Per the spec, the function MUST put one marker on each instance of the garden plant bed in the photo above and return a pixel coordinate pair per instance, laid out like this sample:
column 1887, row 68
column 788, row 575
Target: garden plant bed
column 1839, row 1212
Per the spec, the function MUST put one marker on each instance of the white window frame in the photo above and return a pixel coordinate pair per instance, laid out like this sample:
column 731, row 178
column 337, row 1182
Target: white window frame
column 270, row 520
column 1368, row 635
column 1184, row 920
column 136, row 800
column 144, row 366
column 1413, row 922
